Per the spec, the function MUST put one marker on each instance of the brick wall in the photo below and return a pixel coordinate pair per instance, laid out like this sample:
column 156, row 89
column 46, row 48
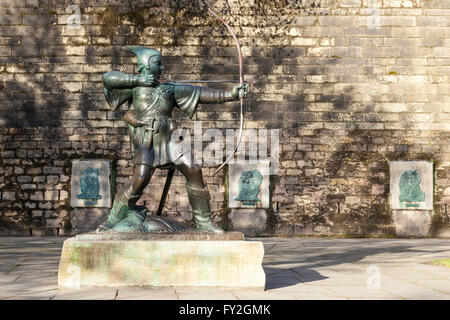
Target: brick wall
column 351, row 84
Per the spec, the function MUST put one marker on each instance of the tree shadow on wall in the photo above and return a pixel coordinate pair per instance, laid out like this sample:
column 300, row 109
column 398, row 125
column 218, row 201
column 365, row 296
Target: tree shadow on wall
column 35, row 73
column 32, row 101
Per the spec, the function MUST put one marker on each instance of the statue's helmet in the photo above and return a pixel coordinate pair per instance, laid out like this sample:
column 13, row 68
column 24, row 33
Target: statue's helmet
column 143, row 55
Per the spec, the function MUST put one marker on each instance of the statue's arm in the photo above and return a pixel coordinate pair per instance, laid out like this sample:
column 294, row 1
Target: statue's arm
column 209, row 95
column 188, row 97
column 118, row 86
column 119, row 80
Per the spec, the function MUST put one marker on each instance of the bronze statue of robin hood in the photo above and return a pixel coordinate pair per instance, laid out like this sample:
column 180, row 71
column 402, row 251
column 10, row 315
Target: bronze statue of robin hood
column 151, row 103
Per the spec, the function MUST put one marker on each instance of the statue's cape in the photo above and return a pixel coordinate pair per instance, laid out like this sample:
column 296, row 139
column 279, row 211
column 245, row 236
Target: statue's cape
column 117, row 97
column 187, row 98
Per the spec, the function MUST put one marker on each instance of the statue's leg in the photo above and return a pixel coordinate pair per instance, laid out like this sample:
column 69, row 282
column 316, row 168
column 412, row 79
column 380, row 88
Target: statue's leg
column 126, row 198
column 198, row 195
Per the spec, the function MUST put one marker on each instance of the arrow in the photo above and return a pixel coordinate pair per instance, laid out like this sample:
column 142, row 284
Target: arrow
column 206, row 81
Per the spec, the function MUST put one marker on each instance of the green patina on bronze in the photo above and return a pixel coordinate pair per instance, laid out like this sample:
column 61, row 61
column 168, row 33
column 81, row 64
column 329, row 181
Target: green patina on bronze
column 249, row 184
column 410, row 191
column 151, row 102
column 89, row 185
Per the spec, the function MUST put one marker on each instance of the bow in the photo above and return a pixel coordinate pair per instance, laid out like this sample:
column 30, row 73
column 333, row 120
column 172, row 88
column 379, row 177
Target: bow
column 241, row 81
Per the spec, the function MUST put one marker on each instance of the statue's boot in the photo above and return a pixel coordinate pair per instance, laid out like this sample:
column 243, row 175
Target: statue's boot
column 199, row 200
column 122, row 206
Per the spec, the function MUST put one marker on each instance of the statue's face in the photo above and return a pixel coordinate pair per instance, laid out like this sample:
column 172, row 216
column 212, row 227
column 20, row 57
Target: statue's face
column 156, row 66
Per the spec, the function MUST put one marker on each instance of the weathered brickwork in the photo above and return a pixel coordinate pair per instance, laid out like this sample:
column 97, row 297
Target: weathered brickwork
column 351, row 84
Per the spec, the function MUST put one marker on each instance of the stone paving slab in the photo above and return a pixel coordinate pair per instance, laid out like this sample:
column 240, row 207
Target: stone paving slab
column 437, row 285
column 29, row 284
column 146, row 294
column 41, row 295
column 304, row 291
column 295, row 268
column 86, row 294
column 205, row 294
column 262, row 295
column 360, row 292
column 411, row 290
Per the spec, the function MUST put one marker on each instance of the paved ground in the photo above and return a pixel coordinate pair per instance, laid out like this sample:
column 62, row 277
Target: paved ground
column 296, row 268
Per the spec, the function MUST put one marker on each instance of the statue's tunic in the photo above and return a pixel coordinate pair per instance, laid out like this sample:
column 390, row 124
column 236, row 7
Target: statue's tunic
column 154, row 106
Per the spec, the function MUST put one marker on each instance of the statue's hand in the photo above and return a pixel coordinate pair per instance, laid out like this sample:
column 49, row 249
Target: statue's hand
column 146, row 81
column 140, row 123
column 240, row 91
column 131, row 118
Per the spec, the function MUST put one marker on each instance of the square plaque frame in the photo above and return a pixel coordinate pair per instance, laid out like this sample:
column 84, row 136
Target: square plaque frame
column 235, row 172
column 414, row 175
column 91, row 183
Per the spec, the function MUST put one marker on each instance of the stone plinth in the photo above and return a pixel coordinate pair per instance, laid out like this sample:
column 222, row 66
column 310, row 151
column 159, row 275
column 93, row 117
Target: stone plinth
column 412, row 223
column 249, row 196
column 249, row 221
column 163, row 261
column 87, row 219
column 178, row 236
column 411, row 197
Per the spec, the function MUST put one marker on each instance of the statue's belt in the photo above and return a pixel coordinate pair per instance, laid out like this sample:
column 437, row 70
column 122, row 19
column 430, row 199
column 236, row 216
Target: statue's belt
column 153, row 127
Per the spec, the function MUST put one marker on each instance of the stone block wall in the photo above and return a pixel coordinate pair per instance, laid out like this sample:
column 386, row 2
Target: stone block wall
column 351, row 85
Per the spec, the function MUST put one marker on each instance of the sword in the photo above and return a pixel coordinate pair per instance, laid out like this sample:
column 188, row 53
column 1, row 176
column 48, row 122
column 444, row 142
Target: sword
column 153, row 131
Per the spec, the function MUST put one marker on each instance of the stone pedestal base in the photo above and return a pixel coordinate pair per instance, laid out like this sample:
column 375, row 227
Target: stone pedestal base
column 412, row 223
column 249, row 221
column 87, row 219
column 163, row 262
